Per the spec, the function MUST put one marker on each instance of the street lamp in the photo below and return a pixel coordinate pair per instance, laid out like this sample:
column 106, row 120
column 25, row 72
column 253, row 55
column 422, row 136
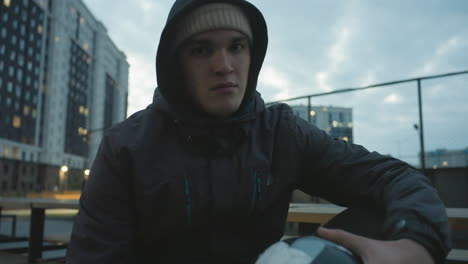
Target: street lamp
column 62, row 176
column 86, row 174
column 64, row 168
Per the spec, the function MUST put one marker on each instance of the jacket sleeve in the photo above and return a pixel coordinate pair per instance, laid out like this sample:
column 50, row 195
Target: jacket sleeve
column 351, row 176
column 103, row 231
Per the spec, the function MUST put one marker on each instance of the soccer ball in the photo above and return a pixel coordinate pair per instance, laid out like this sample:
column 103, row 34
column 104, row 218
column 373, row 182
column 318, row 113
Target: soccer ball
column 307, row 250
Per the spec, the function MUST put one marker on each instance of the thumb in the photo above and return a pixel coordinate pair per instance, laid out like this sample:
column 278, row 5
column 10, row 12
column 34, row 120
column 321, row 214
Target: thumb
column 355, row 243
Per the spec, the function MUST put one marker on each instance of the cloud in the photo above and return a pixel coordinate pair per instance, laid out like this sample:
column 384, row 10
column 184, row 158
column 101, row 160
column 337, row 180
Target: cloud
column 273, row 78
column 393, row 98
column 141, row 82
column 338, row 51
column 438, row 60
column 322, row 81
column 368, row 79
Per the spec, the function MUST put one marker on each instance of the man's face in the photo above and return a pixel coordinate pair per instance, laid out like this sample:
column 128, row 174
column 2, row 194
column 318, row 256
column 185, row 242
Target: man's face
column 215, row 68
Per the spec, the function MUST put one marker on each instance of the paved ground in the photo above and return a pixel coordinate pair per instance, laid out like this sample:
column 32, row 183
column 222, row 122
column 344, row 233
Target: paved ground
column 7, row 258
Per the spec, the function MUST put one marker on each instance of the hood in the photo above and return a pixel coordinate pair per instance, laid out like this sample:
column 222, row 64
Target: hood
column 176, row 100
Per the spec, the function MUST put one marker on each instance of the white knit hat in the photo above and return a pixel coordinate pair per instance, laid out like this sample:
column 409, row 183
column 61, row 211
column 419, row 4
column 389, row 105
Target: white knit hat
column 212, row 17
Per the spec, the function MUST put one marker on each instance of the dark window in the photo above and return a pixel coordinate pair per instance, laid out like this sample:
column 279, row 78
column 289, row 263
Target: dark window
column 21, row 44
column 20, row 60
column 19, row 75
column 18, row 90
column 13, row 56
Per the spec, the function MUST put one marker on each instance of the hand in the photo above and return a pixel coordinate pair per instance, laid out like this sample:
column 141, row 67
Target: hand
column 379, row 252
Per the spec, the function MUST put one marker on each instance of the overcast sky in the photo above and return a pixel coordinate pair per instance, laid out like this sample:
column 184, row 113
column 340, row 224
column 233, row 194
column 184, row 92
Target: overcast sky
column 318, row 46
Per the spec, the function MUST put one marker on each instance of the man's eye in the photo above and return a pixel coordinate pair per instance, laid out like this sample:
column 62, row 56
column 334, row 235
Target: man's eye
column 238, row 47
column 200, row 51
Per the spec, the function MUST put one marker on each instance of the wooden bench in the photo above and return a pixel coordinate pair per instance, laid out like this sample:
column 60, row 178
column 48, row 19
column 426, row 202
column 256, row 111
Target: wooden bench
column 322, row 213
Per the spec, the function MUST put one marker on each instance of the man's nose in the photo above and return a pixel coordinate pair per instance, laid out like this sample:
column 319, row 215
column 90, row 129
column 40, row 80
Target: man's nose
column 222, row 62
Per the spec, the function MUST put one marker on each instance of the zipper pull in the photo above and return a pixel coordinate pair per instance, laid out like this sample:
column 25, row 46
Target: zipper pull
column 253, row 199
column 259, row 188
column 188, row 202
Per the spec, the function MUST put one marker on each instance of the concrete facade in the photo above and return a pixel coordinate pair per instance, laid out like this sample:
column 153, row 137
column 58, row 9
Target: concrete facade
column 58, row 118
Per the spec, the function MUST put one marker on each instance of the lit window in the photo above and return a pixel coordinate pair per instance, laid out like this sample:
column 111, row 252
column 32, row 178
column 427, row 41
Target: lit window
column 434, row 167
column 14, row 152
column 85, row 46
column 82, row 20
column 86, row 111
column 57, row 39
column 81, row 109
column 33, row 113
column 82, row 131
column 39, row 29
column 73, row 10
column 6, row 151
column 350, row 125
column 335, row 124
column 26, row 110
column 346, row 139
column 16, row 121
column 445, row 163
column 6, row 3
column 324, row 109
column 312, row 113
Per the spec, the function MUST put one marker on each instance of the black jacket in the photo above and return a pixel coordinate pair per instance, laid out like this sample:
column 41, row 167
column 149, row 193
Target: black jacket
column 172, row 185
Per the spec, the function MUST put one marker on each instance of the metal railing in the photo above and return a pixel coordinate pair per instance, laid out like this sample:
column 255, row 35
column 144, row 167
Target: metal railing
column 418, row 82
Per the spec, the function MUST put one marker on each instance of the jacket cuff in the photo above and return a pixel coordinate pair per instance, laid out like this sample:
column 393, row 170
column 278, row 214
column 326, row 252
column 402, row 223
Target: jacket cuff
column 412, row 228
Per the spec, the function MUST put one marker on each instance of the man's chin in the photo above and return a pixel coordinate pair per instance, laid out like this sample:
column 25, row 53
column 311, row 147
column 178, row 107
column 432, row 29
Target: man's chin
column 222, row 112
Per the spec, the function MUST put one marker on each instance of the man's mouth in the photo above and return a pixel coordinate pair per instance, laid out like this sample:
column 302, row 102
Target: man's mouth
column 224, row 86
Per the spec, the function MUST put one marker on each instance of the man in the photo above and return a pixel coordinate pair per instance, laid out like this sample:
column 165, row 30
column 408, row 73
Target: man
column 205, row 173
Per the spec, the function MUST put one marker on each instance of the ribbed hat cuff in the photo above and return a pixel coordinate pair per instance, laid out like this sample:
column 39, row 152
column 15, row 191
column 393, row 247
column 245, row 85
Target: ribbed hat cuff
column 212, row 17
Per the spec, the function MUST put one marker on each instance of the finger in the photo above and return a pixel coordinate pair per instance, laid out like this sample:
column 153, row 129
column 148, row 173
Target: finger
column 355, row 243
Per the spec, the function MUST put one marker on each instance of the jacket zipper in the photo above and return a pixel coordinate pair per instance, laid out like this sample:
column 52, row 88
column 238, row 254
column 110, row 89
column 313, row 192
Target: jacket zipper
column 188, row 201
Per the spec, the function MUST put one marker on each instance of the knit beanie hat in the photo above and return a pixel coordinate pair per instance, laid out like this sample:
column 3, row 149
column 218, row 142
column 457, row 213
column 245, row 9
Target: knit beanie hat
column 212, row 17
